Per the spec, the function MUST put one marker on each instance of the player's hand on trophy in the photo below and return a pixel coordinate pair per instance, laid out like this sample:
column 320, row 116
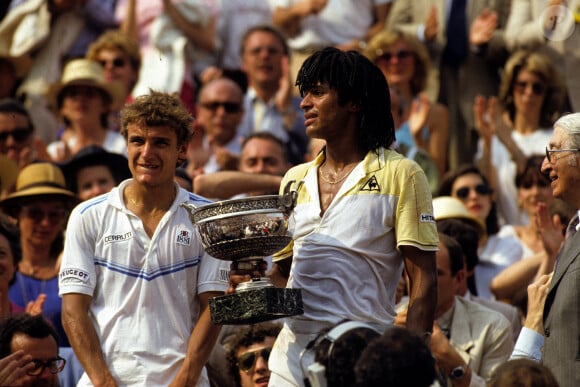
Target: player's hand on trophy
column 244, row 271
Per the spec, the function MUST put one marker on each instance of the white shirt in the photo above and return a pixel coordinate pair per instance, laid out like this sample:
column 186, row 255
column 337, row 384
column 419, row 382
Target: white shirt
column 144, row 290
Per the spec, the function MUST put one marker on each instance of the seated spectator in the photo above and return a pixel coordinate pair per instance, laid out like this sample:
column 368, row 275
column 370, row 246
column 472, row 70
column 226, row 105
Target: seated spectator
column 40, row 204
column 469, row 340
column 84, row 101
column 397, row 358
column 454, row 220
column 330, row 358
column 249, row 350
column 269, row 104
column 516, row 125
column 261, row 166
column 220, row 112
column 522, row 373
column 496, row 250
column 17, row 138
column 120, row 57
column 10, row 255
column 33, row 337
column 405, row 62
column 94, row 171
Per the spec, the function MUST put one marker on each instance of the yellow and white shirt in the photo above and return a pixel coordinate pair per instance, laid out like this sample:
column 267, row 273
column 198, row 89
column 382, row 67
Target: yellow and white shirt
column 347, row 262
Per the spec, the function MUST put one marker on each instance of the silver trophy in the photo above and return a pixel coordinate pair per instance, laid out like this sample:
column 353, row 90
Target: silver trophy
column 245, row 231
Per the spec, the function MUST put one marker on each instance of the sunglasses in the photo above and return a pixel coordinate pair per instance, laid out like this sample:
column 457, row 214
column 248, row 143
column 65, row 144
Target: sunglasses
column 246, row 361
column 38, row 215
column 18, row 134
column 537, row 87
column 117, row 62
column 550, row 151
column 481, row 189
column 400, row 55
column 229, row 107
column 54, row 366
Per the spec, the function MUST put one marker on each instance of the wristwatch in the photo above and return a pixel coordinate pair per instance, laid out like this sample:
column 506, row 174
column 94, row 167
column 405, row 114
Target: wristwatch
column 457, row 372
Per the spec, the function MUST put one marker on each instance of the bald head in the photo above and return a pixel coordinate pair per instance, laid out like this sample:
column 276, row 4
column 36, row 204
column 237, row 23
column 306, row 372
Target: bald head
column 220, row 109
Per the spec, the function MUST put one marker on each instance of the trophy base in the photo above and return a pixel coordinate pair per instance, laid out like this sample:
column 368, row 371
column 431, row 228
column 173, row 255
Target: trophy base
column 255, row 305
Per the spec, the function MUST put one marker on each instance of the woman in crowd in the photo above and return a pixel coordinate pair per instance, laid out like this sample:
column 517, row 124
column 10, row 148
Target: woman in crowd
column 9, row 258
column 405, row 63
column 40, row 205
column 84, row 101
column 120, row 57
column 94, row 171
column 517, row 125
column 496, row 250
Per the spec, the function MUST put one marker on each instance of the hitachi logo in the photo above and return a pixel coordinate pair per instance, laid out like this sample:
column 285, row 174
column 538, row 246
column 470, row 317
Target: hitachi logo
column 118, row 238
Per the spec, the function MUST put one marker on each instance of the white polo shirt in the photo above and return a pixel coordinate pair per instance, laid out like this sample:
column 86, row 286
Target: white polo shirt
column 144, row 290
column 347, row 262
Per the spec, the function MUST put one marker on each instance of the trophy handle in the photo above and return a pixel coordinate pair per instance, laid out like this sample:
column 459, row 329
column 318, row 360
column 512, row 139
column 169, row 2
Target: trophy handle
column 288, row 199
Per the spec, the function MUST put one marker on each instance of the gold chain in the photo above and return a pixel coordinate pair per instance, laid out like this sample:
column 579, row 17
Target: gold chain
column 337, row 180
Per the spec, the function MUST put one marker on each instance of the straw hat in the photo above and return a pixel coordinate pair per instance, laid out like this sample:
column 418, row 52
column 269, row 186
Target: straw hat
column 85, row 72
column 95, row 155
column 447, row 207
column 36, row 180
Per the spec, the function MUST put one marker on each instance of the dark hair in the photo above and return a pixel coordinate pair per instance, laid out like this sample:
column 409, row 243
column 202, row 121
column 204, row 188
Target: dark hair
column 455, row 253
column 34, row 326
column 12, row 234
column 357, row 80
column 339, row 357
column 159, row 109
column 397, row 358
column 446, row 185
column 468, row 237
column 522, row 373
column 245, row 337
column 466, row 234
column 531, row 174
column 11, row 105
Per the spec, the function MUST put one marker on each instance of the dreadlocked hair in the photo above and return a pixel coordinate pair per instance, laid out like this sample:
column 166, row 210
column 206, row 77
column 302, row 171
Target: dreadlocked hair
column 355, row 79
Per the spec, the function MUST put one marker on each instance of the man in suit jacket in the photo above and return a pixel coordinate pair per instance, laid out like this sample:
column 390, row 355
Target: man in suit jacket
column 562, row 307
column 469, row 340
column 456, row 80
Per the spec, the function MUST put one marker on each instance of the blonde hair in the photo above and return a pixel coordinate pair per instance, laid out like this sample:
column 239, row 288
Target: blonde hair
column 386, row 38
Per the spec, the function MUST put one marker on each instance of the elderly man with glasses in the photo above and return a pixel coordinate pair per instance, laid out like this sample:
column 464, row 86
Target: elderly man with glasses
column 556, row 328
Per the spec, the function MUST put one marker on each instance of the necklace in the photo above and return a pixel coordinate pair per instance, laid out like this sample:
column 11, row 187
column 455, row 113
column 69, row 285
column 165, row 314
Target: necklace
column 337, row 180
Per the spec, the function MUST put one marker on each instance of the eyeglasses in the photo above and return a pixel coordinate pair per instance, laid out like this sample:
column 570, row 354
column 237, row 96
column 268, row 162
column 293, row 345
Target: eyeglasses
column 481, row 189
column 550, row 151
column 55, row 366
column 537, row 87
column 117, row 62
column 38, row 215
column 246, row 361
column 17, row 134
column 400, row 55
column 229, row 107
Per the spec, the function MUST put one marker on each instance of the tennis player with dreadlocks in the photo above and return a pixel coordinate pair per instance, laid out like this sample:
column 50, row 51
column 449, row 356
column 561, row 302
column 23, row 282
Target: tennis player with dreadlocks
column 364, row 211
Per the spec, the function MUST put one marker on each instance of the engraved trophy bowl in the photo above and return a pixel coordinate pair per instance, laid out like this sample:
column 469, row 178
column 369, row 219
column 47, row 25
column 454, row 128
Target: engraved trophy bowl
column 245, row 231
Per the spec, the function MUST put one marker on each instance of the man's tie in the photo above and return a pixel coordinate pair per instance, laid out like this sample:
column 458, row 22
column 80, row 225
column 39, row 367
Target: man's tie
column 457, row 38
